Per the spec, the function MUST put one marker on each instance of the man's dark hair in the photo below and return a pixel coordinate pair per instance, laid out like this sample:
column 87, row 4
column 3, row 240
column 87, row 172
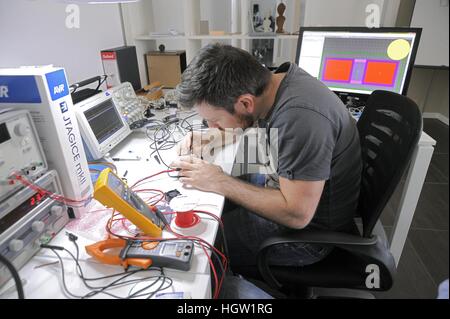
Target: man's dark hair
column 219, row 74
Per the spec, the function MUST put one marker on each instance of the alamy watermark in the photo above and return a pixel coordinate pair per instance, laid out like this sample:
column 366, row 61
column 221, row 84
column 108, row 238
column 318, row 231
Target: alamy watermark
column 373, row 15
column 373, row 277
column 239, row 146
column 73, row 16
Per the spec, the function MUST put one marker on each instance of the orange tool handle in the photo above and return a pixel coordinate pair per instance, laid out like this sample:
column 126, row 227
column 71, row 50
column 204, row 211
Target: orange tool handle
column 96, row 251
column 138, row 262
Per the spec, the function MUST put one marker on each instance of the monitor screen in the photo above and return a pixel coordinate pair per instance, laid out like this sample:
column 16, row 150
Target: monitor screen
column 104, row 120
column 359, row 60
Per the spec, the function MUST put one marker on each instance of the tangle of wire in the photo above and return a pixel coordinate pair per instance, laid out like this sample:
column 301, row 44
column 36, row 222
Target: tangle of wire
column 162, row 136
column 56, row 197
column 159, row 195
column 166, row 282
column 199, row 242
column 59, row 198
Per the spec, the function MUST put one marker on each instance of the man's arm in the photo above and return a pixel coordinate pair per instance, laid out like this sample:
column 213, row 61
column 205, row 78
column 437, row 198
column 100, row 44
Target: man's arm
column 293, row 205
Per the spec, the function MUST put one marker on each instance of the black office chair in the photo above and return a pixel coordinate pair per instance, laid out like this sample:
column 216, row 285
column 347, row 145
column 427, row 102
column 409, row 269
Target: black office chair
column 389, row 129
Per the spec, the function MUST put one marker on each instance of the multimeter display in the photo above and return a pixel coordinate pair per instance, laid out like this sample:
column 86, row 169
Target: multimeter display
column 119, row 187
column 112, row 192
column 169, row 249
column 116, row 185
column 124, row 192
column 174, row 253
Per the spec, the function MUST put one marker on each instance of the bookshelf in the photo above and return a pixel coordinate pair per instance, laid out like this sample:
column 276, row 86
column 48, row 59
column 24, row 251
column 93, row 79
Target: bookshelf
column 146, row 25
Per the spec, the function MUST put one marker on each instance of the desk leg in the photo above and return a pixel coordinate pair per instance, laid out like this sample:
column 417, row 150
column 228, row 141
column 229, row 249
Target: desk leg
column 410, row 196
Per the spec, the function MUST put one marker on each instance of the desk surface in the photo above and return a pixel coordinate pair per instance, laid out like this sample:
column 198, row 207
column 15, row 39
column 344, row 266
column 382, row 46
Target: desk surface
column 426, row 139
column 45, row 282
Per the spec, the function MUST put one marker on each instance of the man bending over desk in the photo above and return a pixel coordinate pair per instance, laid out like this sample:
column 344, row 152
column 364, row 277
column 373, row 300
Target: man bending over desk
column 316, row 181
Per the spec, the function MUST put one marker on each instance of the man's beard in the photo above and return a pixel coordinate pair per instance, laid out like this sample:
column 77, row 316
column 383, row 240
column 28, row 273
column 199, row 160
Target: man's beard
column 246, row 121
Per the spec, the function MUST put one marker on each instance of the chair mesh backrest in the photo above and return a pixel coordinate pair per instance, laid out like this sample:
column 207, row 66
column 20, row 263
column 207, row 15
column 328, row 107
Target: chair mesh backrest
column 389, row 129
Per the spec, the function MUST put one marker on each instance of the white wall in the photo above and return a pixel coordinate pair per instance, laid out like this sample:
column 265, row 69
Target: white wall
column 168, row 14
column 390, row 12
column 433, row 18
column 138, row 20
column 218, row 13
column 338, row 13
column 285, row 49
column 33, row 32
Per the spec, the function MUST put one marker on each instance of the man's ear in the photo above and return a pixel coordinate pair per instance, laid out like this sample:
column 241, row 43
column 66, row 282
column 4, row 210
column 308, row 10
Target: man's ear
column 245, row 104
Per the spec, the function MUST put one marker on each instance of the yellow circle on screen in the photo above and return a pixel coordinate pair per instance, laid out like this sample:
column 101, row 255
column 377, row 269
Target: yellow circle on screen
column 398, row 49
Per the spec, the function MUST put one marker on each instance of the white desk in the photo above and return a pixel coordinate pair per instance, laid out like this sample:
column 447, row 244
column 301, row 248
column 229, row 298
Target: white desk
column 415, row 177
column 45, row 282
column 138, row 144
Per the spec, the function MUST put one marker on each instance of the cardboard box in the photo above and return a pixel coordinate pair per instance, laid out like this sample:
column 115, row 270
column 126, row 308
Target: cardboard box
column 166, row 67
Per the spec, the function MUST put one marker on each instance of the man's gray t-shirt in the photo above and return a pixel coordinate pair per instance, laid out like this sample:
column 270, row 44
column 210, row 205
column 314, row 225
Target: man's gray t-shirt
column 317, row 140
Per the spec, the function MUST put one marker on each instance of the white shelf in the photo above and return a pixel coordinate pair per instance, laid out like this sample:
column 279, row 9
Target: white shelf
column 209, row 37
column 277, row 36
column 139, row 23
column 162, row 37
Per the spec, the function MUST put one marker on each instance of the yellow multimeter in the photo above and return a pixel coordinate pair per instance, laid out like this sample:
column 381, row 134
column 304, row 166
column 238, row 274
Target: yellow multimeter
column 112, row 192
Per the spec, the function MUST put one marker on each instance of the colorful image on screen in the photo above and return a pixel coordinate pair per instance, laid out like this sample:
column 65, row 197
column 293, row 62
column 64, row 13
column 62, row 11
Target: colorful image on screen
column 357, row 62
column 343, row 62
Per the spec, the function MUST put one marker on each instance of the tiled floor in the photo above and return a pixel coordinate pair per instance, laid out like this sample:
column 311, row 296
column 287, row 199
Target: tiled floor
column 424, row 262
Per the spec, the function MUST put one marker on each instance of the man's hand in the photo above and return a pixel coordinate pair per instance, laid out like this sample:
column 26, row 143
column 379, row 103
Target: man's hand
column 190, row 144
column 200, row 174
column 194, row 142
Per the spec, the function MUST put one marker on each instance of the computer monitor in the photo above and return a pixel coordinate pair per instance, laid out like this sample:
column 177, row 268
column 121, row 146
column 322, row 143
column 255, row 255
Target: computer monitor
column 355, row 61
column 101, row 125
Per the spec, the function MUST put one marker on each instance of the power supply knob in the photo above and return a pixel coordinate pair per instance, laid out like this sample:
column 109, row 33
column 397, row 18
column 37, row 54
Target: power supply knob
column 38, row 226
column 21, row 129
column 56, row 210
column 15, row 245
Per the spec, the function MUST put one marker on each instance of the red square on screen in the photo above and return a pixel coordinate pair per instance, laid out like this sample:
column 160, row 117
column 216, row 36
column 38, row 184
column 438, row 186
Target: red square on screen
column 338, row 70
column 380, row 73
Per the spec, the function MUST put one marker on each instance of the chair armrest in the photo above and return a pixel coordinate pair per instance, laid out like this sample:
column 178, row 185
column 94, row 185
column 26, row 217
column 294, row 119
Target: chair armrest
column 318, row 237
column 324, row 237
